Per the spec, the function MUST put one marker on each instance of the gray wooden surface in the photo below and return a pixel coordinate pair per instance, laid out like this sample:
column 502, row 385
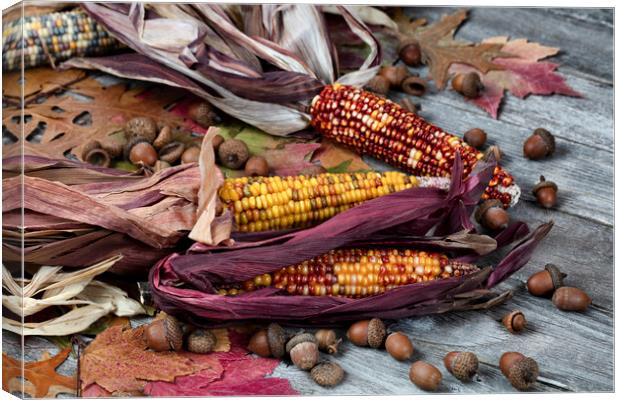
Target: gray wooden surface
column 574, row 351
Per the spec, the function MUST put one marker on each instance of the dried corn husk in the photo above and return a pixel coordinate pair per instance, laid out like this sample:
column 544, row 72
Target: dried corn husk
column 89, row 299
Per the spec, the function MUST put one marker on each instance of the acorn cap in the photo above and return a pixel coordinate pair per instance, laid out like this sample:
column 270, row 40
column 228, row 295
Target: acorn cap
column 509, row 318
column 463, row 365
column 523, row 373
column 163, row 138
column 547, row 137
column 142, row 127
column 557, row 276
column 98, row 156
column 544, row 184
column 174, row 332
column 484, row 207
column 276, row 338
column 327, row 374
column 171, row 152
column 201, row 341
column 376, row 333
column 301, row 338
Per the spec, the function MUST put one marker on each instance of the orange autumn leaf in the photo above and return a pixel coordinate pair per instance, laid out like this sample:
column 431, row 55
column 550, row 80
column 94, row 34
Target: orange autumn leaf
column 41, row 376
column 337, row 159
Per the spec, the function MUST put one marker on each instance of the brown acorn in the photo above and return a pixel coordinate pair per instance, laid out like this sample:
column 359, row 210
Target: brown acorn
column 190, row 155
column 462, row 364
column 171, row 152
column 259, row 344
column 379, row 84
column 367, row 333
column 569, row 298
column 475, row 137
column 142, row 128
column 303, row 350
column 395, row 74
column 256, row 166
column 425, row 376
column 399, row 346
column 233, row 153
column 276, row 340
column 201, row 341
column 203, row 114
column 544, row 283
column 410, row 53
column 469, row 84
column 164, row 334
column 514, row 321
column 520, row 370
column 492, row 215
column 539, row 145
column 545, row 192
column 114, row 147
column 327, row 340
column 328, row 374
column 143, row 153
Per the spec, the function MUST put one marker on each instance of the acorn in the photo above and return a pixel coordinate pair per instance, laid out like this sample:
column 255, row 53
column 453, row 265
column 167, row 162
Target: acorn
column 98, row 156
column 163, row 138
column 114, row 147
column 203, row 114
column 90, row 145
column 469, row 84
column 410, row 53
column 514, row 321
column 171, row 152
column 520, row 370
column 327, row 340
column 233, row 153
column 142, row 128
column 414, row 86
column 544, row 283
column 190, row 155
column 303, row 350
column 164, row 334
column 256, row 166
column 367, row 333
column 492, row 215
column 216, row 142
column 399, row 346
column 539, row 145
column 462, row 364
column 379, row 84
column 425, row 376
column 395, row 74
column 569, row 298
column 259, row 344
column 328, row 374
column 546, row 192
column 142, row 153
column 276, row 340
column 201, row 341
column 475, row 137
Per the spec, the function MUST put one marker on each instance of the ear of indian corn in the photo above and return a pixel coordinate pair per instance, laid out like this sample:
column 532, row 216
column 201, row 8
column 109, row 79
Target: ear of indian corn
column 356, row 273
column 381, row 128
column 276, row 203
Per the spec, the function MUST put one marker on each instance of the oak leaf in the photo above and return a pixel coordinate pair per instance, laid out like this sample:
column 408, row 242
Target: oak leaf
column 41, row 377
column 523, row 74
column 38, row 82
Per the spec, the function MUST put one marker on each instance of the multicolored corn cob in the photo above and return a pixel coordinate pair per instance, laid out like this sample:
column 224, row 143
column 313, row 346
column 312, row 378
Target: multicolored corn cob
column 276, row 203
column 381, row 128
column 356, row 273
column 53, row 37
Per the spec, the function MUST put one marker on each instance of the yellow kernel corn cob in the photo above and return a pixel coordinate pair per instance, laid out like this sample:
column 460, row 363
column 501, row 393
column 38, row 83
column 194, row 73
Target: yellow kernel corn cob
column 277, row 203
column 357, row 273
column 381, row 128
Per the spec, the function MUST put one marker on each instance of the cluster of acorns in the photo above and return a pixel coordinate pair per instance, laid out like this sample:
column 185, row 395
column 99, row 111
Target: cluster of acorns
column 168, row 334
column 550, row 283
column 397, row 77
column 235, row 154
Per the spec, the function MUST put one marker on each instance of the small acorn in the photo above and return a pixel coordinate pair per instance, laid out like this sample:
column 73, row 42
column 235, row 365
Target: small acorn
column 98, row 157
column 569, row 298
column 328, row 374
column 164, row 334
column 303, row 350
column 539, row 145
column 201, row 341
column 379, row 84
column 395, row 74
column 327, row 340
column 367, row 333
column 425, row 376
column 143, row 153
column 475, row 137
column 399, row 346
column 544, row 283
column 514, row 321
column 520, row 370
column 546, row 192
column 414, row 86
column 410, row 53
column 276, row 340
column 259, row 344
column 469, row 84
column 190, row 155
column 142, row 128
column 233, row 153
column 256, row 166
column 203, row 114
column 163, row 138
column 492, row 215
column 462, row 364
column 171, row 152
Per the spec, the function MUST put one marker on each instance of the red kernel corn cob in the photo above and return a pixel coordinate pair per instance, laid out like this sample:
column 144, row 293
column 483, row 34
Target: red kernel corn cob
column 381, row 128
column 357, row 273
column 275, row 203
